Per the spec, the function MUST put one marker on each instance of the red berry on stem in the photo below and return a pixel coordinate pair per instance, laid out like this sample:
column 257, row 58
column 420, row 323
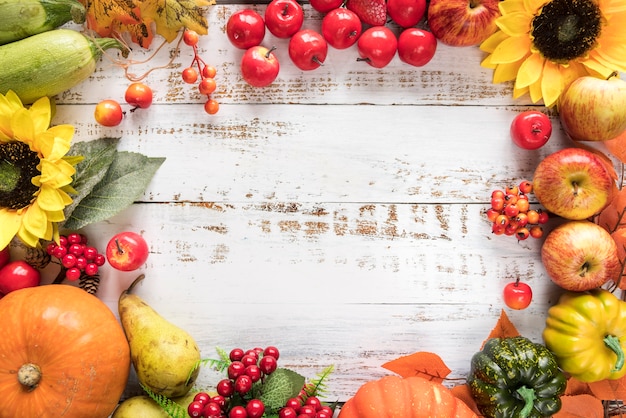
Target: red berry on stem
column 236, row 354
column 271, row 351
column 238, row 412
column 225, row 388
column 243, row 384
column 268, row 365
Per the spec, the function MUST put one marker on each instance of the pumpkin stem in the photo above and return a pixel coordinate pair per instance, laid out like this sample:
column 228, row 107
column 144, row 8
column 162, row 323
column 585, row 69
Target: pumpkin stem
column 528, row 396
column 613, row 343
column 137, row 280
column 29, row 375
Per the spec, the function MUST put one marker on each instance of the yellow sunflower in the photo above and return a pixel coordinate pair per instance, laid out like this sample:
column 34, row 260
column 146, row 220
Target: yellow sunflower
column 35, row 173
column 544, row 45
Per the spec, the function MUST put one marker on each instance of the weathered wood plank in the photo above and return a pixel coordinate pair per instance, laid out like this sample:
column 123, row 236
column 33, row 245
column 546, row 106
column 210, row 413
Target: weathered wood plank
column 338, row 153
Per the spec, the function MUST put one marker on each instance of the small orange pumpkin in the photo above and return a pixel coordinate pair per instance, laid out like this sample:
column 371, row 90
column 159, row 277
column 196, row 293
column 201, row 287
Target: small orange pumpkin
column 62, row 354
column 411, row 397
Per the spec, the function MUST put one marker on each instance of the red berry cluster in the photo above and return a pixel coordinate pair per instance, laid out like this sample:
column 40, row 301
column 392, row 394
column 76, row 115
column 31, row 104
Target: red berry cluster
column 207, row 84
column 76, row 256
column 305, row 406
column 510, row 213
column 245, row 369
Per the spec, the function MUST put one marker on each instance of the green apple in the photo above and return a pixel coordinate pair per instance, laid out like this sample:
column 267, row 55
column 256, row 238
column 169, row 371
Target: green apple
column 594, row 109
column 573, row 183
column 580, row 255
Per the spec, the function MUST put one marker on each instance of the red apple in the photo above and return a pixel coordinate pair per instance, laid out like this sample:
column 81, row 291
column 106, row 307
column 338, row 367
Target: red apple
column 284, row 18
column 325, row 6
column 5, row 256
column 416, row 46
column 377, row 46
column 17, row 275
column 259, row 66
column 308, row 49
column 341, row 28
column 406, row 13
column 463, row 22
column 245, row 28
column 580, row 255
column 127, row 251
column 573, row 183
column 594, row 109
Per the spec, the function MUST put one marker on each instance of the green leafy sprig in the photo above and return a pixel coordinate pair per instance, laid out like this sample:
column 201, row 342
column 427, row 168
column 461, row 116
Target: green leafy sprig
column 107, row 181
column 170, row 407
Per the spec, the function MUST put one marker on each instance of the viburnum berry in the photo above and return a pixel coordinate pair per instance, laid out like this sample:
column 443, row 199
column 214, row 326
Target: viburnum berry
column 202, row 397
column 238, row 412
column 243, row 384
column 194, row 409
column 268, row 364
column 314, row 402
column 255, row 408
column 235, row 369
column 236, row 354
column 225, row 387
column 254, row 372
column 287, row 412
column 211, row 409
column 271, row 351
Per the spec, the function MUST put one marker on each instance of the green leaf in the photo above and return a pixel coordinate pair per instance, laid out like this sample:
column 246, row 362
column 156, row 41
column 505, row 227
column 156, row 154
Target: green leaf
column 279, row 387
column 97, row 157
column 126, row 179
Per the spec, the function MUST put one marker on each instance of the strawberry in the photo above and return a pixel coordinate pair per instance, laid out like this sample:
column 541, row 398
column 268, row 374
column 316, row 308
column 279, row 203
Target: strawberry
column 371, row 12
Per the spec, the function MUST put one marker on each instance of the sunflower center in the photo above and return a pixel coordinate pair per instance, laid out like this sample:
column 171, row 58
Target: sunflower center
column 566, row 29
column 18, row 165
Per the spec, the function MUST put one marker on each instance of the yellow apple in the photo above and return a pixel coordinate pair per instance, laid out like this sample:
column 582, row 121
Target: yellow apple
column 594, row 109
column 580, row 255
column 573, row 183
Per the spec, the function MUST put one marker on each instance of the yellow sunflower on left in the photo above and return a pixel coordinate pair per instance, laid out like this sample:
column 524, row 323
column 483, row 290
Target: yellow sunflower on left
column 35, row 173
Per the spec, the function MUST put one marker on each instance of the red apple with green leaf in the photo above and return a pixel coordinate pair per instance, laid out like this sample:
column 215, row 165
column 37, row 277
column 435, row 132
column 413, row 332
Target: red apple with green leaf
column 127, row 251
column 463, row 22
column 573, row 183
column 594, row 109
column 580, row 255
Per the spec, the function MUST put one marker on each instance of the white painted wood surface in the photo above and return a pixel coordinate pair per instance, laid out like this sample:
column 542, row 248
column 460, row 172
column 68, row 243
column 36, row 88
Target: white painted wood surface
column 335, row 214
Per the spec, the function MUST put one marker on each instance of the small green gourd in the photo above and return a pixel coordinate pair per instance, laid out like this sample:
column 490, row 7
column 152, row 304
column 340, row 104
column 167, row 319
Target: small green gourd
column 51, row 62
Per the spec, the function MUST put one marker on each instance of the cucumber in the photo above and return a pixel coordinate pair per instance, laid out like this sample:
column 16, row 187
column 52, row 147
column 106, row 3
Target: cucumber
column 22, row 18
column 51, row 62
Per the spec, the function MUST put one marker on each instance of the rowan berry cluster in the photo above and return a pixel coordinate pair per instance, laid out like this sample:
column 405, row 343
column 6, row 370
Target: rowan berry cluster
column 199, row 69
column 232, row 399
column 76, row 256
column 510, row 213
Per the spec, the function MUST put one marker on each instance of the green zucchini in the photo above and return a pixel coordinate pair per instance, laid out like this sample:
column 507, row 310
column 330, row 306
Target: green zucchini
column 51, row 62
column 22, row 18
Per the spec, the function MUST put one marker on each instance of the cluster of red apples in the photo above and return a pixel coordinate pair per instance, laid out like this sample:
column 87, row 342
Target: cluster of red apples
column 370, row 24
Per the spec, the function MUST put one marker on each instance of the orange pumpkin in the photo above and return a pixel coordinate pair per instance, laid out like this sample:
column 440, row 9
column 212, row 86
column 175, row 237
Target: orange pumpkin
column 62, row 354
column 411, row 397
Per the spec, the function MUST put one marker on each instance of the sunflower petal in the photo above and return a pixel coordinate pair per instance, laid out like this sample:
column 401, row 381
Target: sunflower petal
column 552, row 83
column 55, row 174
column 530, row 71
column 490, row 44
column 511, row 6
column 10, row 221
column 533, row 6
column 535, row 91
column 511, row 50
column 514, row 24
column 505, row 72
column 35, row 221
column 41, row 114
column 22, row 126
column 50, row 199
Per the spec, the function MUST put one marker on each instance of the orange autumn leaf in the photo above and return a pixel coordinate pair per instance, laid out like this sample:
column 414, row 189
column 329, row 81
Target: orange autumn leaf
column 617, row 146
column 609, row 390
column 104, row 15
column 611, row 217
column 504, row 328
column 576, row 387
column 463, row 393
column 172, row 16
column 619, row 237
column 423, row 363
column 580, row 406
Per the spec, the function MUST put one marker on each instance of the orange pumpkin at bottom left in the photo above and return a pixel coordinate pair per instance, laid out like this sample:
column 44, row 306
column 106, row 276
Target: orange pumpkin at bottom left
column 62, row 354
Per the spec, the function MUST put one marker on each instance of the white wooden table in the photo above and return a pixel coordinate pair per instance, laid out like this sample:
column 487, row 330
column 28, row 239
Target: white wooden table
column 336, row 214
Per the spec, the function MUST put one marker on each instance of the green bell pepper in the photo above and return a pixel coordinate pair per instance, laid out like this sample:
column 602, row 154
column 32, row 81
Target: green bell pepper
column 587, row 334
column 516, row 378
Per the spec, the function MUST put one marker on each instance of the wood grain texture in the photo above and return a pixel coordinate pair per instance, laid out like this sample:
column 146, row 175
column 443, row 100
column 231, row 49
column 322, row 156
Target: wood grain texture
column 336, row 214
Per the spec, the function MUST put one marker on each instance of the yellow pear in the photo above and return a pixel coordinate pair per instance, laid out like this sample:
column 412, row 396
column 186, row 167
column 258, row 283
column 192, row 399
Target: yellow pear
column 142, row 406
column 162, row 354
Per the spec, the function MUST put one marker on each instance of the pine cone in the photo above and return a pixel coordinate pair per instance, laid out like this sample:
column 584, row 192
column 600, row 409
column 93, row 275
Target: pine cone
column 89, row 283
column 37, row 257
